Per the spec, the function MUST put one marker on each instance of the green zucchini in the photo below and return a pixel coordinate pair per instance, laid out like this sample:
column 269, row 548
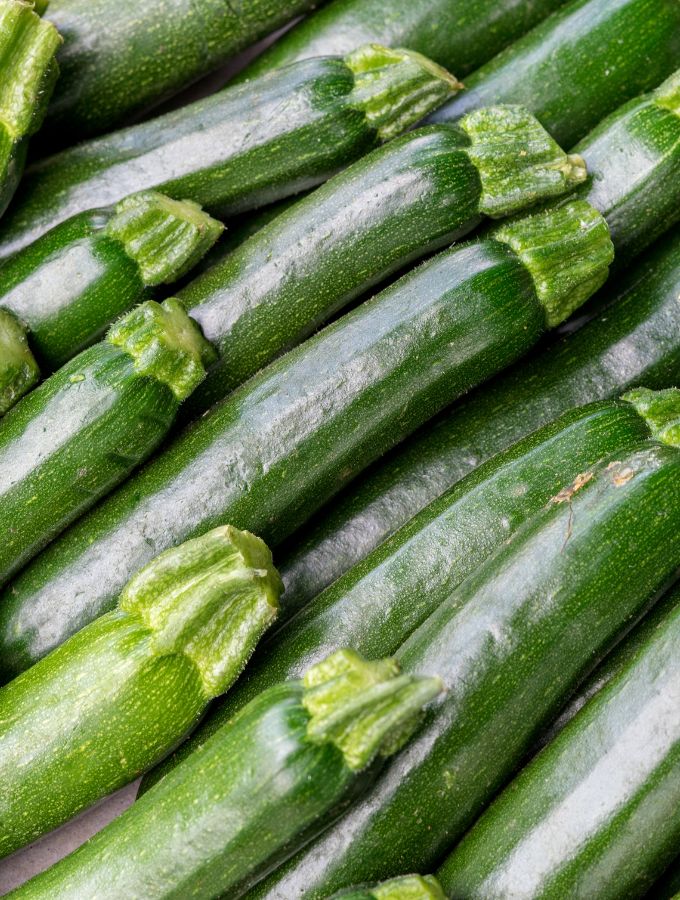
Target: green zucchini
column 668, row 886
column 289, row 438
column 113, row 700
column 579, row 64
column 241, row 148
column 399, row 203
column 28, row 72
column 120, row 59
column 408, row 887
column 458, row 35
column 511, row 643
column 80, row 433
column 547, row 835
column 263, row 787
column 69, row 285
column 19, row 371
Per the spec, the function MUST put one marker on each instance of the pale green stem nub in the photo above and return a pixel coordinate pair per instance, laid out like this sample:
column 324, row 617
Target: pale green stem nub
column 166, row 238
column 519, row 164
column 661, row 412
column 407, row 887
column 364, row 708
column 165, row 344
column 567, row 250
column 667, row 95
column 397, row 88
column 210, row 599
column 19, row 371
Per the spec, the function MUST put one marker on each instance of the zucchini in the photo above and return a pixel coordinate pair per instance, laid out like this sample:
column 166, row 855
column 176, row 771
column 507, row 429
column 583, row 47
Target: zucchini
column 69, row 285
column 241, row 148
column 289, row 438
column 28, row 72
column 399, row 203
column 579, row 64
column 118, row 60
column 263, row 787
column 546, row 837
column 113, row 700
column 454, row 33
column 510, row 643
column 376, row 605
column 408, row 887
column 668, row 886
column 80, row 433
column 19, row 371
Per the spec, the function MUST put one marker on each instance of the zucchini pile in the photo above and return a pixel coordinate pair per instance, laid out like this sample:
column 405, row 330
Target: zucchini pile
column 340, row 449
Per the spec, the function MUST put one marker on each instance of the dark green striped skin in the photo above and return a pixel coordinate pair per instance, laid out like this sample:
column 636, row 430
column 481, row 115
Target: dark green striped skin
column 289, row 438
column 635, row 341
column 117, row 61
column 239, row 149
column 511, row 643
column 579, row 64
column 458, row 35
column 376, row 605
column 547, row 836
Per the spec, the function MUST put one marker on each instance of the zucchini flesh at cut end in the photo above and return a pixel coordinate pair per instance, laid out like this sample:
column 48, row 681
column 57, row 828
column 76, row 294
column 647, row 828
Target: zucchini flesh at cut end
column 511, row 643
column 544, row 836
column 408, row 887
column 277, row 762
column 19, row 371
column 114, row 699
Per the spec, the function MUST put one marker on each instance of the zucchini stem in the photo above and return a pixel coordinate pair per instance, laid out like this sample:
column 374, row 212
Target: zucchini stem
column 661, row 412
column 19, row 371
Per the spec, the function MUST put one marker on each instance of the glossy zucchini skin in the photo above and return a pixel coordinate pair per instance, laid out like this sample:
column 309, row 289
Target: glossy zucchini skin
column 579, row 64
column 241, row 148
column 117, row 61
column 545, row 837
column 289, row 439
column 633, row 341
column 456, row 34
column 511, row 643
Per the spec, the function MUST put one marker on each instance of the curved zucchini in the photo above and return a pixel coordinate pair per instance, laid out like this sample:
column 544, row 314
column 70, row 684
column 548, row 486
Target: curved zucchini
column 69, row 285
column 120, row 59
column 579, row 64
column 271, row 454
column 28, row 72
column 546, row 837
column 408, row 887
column 263, row 787
column 19, row 371
column 454, row 33
column 511, row 643
column 397, row 204
column 113, row 700
column 79, row 434
column 242, row 147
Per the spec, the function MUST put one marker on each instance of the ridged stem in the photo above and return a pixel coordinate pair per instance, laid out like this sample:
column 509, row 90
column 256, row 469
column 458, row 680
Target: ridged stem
column 210, row 599
column 19, row 371
column 661, row 412
column 667, row 95
column 397, row 88
column 366, row 709
column 164, row 237
column 517, row 160
column 408, row 887
column 165, row 344
column 567, row 250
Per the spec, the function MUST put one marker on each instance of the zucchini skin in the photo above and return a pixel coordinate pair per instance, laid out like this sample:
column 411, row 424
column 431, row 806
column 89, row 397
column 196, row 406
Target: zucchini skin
column 453, row 33
column 545, row 837
column 287, row 440
column 144, row 54
column 579, row 64
column 633, row 341
column 511, row 643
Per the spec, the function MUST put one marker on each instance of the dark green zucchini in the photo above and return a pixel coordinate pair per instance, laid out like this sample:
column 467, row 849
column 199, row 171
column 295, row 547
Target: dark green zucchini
column 241, row 148
column 28, row 72
column 286, row 441
column 69, row 285
column 596, row 813
column 408, row 887
column 458, row 35
column 120, row 59
column 511, row 643
column 263, row 787
column 113, row 700
column 19, row 371
column 76, row 436
column 579, row 64
column 668, row 886
column 395, row 205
